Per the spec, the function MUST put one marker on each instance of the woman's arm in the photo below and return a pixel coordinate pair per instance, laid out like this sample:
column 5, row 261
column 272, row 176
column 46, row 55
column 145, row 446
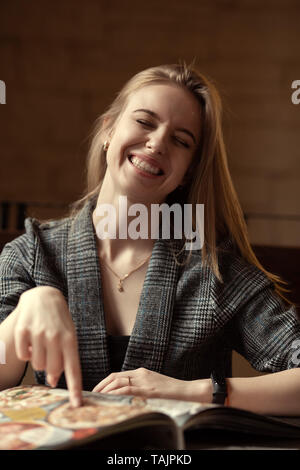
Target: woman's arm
column 272, row 394
column 15, row 278
column 12, row 370
column 41, row 330
column 35, row 323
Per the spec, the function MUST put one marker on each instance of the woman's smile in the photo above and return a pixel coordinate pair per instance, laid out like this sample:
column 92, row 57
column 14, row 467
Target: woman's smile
column 145, row 165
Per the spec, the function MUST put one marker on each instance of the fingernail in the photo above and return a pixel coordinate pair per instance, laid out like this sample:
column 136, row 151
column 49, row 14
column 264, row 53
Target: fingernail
column 52, row 380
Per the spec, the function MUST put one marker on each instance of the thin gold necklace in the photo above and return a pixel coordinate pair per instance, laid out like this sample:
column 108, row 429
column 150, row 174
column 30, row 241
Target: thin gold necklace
column 122, row 279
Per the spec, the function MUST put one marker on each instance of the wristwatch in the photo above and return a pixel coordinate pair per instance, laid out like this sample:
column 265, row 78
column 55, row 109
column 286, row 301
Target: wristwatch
column 219, row 388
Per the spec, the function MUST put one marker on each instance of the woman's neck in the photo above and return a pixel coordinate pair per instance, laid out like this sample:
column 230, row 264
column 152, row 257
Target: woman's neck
column 122, row 227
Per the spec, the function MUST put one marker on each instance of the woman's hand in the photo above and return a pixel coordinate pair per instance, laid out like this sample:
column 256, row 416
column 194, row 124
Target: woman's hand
column 149, row 384
column 45, row 335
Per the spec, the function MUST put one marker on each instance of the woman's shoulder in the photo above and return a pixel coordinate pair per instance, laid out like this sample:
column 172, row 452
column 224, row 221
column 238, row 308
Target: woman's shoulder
column 235, row 268
column 37, row 233
column 54, row 232
column 50, row 228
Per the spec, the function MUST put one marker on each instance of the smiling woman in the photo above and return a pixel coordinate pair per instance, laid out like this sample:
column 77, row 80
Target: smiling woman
column 153, row 142
column 144, row 316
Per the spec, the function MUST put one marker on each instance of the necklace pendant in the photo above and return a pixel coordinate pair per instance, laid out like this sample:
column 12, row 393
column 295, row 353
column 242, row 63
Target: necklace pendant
column 120, row 286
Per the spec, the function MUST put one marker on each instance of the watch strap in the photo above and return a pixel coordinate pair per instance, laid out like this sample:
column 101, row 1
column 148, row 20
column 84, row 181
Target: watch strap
column 219, row 388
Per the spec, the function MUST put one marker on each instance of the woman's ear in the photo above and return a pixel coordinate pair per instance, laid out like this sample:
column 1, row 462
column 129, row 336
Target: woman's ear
column 107, row 128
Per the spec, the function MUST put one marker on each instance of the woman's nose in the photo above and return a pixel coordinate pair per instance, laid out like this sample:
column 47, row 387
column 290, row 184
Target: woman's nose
column 156, row 142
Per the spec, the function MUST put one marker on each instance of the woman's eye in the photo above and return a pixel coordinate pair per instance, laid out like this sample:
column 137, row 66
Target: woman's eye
column 144, row 123
column 182, row 142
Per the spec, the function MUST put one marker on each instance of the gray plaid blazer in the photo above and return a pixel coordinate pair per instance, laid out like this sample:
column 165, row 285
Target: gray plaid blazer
column 187, row 322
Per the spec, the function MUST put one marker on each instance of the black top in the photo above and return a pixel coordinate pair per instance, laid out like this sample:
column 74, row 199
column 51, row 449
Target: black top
column 117, row 347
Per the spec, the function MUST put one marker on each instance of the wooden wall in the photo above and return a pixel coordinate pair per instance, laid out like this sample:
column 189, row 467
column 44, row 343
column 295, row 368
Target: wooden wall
column 64, row 61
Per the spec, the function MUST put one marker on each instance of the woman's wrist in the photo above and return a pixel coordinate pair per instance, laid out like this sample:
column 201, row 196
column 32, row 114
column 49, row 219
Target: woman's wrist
column 199, row 390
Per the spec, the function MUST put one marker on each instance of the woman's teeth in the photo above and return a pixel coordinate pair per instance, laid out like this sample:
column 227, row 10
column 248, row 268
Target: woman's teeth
column 144, row 165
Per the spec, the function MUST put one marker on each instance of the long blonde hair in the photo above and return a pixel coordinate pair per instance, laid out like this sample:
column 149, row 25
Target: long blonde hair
column 208, row 178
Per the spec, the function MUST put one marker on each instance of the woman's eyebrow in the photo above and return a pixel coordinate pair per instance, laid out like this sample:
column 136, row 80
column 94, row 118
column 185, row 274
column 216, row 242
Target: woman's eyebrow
column 153, row 114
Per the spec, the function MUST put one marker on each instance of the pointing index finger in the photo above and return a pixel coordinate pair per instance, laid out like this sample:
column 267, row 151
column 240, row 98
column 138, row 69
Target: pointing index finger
column 73, row 373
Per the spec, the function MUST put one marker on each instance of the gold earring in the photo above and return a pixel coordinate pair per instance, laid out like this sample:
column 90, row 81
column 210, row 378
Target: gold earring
column 105, row 146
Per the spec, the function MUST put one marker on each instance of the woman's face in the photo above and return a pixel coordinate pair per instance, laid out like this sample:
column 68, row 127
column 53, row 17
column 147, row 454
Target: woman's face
column 153, row 142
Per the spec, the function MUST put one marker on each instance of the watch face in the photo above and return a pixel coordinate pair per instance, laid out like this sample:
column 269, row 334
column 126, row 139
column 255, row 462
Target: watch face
column 218, row 378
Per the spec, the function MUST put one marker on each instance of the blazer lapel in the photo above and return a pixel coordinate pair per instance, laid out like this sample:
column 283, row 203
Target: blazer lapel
column 149, row 339
column 84, row 297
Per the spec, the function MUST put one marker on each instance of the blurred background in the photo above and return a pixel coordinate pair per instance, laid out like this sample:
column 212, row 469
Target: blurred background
column 64, row 61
